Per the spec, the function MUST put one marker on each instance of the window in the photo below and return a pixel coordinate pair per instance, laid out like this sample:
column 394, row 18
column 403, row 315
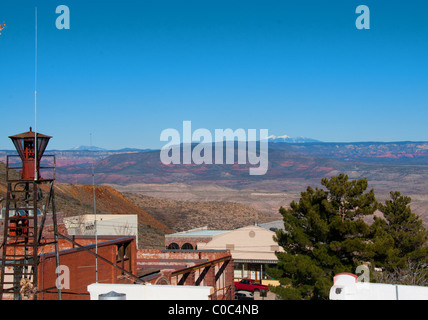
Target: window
column 173, row 246
column 187, row 246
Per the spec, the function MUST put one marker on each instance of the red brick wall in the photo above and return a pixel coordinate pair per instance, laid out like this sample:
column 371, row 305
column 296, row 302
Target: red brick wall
column 81, row 267
column 158, row 254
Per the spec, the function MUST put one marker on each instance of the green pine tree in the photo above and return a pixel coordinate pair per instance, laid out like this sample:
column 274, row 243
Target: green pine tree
column 399, row 236
column 325, row 235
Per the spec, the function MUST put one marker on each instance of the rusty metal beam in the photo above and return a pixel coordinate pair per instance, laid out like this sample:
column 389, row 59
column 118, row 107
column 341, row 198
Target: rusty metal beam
column 221, row 269
column 202, row 276
column 201, row 265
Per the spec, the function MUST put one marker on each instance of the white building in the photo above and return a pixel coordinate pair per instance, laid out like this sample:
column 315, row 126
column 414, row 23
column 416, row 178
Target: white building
column 151, row 292
column 107, row 224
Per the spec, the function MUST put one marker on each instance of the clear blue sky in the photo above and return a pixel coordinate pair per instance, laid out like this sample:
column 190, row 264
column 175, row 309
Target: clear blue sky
column 126, row 70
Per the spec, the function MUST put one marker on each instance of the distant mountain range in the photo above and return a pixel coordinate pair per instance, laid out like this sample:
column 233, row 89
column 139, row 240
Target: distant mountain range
column 285, row 138
column 93, row 148
column 391, row 164
column 87, row 148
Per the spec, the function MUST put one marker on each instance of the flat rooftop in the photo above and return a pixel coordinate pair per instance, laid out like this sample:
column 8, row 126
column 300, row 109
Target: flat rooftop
column 197, row 233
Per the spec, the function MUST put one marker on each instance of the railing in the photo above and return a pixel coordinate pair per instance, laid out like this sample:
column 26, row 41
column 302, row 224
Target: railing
column 47, row 170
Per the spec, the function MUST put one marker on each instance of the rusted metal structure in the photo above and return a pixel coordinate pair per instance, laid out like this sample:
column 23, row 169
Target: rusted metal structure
column 222, row 291
column 30, row 197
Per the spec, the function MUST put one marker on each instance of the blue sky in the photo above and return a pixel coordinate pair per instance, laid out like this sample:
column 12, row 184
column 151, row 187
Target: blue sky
column 126, row 70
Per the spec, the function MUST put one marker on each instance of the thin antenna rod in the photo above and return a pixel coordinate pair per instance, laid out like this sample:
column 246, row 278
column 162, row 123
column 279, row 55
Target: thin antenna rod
column 95, row 215
column 35, row 103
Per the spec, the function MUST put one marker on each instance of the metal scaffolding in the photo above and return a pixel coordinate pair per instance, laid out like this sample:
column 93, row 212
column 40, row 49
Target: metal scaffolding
column 29, row 199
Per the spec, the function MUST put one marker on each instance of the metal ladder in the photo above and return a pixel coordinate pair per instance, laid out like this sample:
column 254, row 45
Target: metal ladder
column 22, row 239
column 20, row 243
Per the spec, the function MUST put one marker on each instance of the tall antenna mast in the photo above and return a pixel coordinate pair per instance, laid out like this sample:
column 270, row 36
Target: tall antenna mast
column 95, row 215
column 35, row 103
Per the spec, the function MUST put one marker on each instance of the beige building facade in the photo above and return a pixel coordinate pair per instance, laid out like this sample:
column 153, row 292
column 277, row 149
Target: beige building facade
column 252, row 249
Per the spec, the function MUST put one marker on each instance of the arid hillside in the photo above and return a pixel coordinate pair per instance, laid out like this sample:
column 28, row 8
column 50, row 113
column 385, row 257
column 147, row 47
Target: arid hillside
column 75, row 199
column 156, row 216
column 185, row 215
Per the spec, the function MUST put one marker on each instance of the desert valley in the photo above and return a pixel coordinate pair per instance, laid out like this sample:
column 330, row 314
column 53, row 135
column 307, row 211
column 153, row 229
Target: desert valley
column 180, row 197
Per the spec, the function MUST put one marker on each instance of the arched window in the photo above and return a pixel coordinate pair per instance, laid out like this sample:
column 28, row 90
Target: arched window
column 162, row 281
column 187, row 246
column 173, row 246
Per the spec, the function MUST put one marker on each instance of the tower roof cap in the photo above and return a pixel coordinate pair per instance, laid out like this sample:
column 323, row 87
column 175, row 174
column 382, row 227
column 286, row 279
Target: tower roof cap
column 29, row 134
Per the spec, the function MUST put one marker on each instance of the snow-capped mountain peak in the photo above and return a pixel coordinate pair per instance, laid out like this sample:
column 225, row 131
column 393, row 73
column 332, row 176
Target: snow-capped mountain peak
column 286, row 138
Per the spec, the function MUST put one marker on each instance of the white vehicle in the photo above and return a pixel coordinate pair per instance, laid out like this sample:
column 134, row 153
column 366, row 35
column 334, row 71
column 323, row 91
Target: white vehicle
column 244, row 295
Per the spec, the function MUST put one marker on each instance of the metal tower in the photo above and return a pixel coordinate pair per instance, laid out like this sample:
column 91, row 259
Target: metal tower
column 30, row 198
